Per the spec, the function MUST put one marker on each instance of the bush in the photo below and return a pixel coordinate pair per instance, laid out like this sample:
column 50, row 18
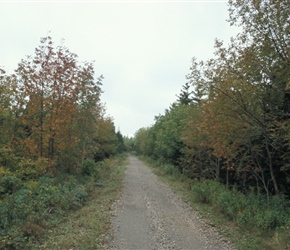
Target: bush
column 28, row 208
column 89, row 168
column 4, row 172
column 29, row 169
column 249, row 210
column 74, row 194
column 206, row 191
column 40, row 201
column 282, row 236
column 170, row 169
column 13, row 239
column 263, row 213
column 9, row 184
column 269, row 219
column 230, row 203
column 8, row 159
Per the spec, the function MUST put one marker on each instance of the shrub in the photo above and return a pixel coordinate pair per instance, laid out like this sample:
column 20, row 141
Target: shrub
column 269, row 218
column 15, row 208
column 230, row 203
column 4, row 172
column 9, row 184
column 89, row 168
column 29, row 169
column 170, row 169
column 40, row 201
column 74, row 194
column 28, row 207
column 206, row 191
column 262, row 213
column 8, row 159
column 13, row 239
column 249, row 210
column 282, row 236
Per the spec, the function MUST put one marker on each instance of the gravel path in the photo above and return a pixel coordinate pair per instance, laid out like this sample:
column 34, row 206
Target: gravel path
column 150, row 216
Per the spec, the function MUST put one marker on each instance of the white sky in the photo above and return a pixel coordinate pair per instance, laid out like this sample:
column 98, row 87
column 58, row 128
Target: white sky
column 143, row 48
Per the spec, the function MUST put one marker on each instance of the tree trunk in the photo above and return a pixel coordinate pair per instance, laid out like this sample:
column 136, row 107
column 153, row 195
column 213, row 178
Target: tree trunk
column 270, row 159
column 227, row 178
column 217, row 172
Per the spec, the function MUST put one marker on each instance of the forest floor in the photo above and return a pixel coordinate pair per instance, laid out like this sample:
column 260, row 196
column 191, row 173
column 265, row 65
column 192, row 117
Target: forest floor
column 149, row 215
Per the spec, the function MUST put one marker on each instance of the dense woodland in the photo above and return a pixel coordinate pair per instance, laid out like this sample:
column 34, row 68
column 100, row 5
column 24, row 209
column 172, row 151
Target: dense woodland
column 231, row 121
column 53, row 133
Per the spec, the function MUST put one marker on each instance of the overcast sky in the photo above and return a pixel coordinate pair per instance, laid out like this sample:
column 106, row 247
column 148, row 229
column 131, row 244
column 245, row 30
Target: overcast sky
column 143, row 48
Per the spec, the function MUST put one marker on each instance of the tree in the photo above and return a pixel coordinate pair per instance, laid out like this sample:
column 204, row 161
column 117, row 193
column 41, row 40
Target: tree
column 140, row 140
column 7, row 87
column 245, row 86
column 121, row 145
column 105, row 138
column 235, row 127
column 267, row 29
column 168, row 129
column 129, row 143
column 58, row 106
column 185, row 95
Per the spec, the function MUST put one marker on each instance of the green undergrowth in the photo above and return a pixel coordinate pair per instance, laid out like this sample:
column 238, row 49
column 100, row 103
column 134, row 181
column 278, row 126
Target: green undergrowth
column 250, row 221
column 63, row 212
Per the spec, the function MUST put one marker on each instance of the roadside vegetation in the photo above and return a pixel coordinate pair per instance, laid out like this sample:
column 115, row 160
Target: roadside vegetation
column 56, row 144
column 88, row 226
column 248, row 220
column 227, row 136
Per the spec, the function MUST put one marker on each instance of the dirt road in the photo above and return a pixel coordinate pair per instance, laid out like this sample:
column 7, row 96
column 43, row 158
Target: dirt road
column 150, row 216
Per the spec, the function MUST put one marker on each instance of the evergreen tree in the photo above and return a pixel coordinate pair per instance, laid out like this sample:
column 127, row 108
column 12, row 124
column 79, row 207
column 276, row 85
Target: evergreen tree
column 185, row 95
